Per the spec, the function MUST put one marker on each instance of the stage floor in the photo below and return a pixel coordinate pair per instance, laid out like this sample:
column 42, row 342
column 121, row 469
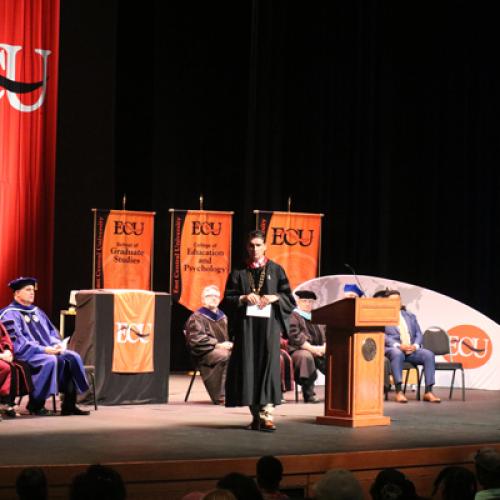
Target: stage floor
column 201, row 430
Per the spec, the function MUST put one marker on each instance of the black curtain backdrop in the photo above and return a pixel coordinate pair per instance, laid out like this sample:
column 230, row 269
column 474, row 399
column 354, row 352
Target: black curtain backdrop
column 381, row 115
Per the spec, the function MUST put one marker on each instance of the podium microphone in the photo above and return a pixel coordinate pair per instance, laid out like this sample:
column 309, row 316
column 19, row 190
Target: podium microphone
column 355, row 277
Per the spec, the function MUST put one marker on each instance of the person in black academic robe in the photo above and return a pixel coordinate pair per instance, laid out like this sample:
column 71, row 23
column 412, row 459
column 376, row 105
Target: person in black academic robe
column 259, row 301
column 306, row 345
column 208, row 342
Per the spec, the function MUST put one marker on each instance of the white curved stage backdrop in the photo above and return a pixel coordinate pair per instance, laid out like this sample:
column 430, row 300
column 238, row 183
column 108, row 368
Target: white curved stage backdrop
column 475, row 339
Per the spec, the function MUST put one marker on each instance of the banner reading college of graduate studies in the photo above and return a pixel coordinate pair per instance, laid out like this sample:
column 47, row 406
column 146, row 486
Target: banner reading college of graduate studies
column 200, row 253
column 293, row 240
column 29, row 53
column 123, row 249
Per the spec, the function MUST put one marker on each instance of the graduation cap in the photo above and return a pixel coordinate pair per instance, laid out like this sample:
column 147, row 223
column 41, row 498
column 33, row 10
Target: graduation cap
column 21, row 282
column 352, row 287
column 306, row 294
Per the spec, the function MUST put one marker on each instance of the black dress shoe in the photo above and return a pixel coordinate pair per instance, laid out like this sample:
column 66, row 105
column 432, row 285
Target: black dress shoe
column 73, row 411
column 41, row 412
column 312, row 400
column 10, row 412
column 266, row 425
column 254, row 425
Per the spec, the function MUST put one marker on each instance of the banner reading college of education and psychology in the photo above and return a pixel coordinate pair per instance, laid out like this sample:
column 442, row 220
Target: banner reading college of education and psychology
column 293, row 240
column 29, row 56
column 133, row 346
column 123, row 249
column 200, row 253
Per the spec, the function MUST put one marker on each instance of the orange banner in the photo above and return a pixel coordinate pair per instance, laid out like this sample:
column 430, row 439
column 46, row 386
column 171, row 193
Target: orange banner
column 200, row 253
column 123, row 249
column 293, row 240
column 134, row 318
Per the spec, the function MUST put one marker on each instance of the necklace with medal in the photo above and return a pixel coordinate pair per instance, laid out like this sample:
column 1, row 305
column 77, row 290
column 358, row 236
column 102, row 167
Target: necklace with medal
column 251, row 280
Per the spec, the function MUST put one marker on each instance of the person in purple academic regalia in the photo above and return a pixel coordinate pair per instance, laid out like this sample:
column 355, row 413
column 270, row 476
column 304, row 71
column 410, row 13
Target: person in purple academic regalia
column 37, row 342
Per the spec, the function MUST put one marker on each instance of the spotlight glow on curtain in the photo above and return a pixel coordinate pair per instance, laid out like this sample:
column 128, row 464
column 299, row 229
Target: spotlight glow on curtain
column 29, row 53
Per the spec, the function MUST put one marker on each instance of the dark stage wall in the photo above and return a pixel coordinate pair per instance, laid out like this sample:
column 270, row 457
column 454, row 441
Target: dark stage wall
column 382, row 117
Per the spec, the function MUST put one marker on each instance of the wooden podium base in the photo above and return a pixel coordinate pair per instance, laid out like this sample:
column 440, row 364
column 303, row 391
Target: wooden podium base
column 359, row 421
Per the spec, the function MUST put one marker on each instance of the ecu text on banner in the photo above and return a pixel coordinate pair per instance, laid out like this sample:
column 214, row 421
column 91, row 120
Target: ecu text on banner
column 200, row 253
column 293, row 240
column 123, row 249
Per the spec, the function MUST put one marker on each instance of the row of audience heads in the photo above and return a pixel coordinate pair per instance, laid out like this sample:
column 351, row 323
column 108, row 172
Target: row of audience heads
column 452, row 483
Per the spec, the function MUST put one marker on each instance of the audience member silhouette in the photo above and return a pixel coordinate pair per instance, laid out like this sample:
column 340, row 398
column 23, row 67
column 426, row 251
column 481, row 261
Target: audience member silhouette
column 455, row 483
column 242, row 487
column 487, row 463
column 392, row 484
column 338, row 484
column 219, row 494
column 98, row 482
column 269, row 475
column 31, row 484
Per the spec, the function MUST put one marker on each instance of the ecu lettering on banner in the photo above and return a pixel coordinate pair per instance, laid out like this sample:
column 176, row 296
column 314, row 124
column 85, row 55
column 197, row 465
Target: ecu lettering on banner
column 133, row 346
column 200, row 253
column 293, row 240
column 29, row 58
column 123, row 249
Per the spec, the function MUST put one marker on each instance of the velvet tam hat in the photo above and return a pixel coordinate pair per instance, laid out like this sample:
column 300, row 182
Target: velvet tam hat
column 351, row 287
column 306, row 294
column 21, row 282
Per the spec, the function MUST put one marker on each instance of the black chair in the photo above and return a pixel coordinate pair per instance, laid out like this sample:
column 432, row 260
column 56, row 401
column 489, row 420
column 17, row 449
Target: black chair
column 296, row 391
column 437, row 340
column 193, row 376
column 407, row 366
column 194, row 363
column 90, row 372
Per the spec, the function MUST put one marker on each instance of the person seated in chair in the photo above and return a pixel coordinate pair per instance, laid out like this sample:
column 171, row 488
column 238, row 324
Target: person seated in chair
column 404, row 343
column 15, row 377
column 36, row 342
column 352, row 291
column 208, row 342
column 306, row 345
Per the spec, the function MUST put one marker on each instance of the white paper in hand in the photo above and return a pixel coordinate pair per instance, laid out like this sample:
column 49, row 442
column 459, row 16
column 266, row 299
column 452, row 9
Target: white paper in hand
column 256, row 311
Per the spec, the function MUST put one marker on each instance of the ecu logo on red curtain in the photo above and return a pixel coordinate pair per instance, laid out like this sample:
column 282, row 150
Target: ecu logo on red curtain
column 12, row 88
column 29, row 57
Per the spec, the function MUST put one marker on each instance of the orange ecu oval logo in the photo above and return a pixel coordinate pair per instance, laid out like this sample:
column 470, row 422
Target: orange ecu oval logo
column 469, row 345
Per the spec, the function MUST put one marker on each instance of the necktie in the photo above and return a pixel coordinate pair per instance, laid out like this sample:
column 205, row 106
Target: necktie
column 403, row 330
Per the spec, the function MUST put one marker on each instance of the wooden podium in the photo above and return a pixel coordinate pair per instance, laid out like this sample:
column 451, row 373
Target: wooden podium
column 355, row 360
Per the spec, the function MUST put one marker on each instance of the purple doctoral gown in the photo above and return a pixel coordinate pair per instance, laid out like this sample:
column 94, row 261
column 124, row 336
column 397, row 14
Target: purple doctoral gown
column 31, row 331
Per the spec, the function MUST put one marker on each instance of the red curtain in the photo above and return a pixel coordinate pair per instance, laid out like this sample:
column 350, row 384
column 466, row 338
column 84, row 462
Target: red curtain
column 29, row 54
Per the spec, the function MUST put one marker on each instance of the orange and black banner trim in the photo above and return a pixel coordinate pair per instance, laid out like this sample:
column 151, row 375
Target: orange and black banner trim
column 123, row 249
column 293, row 240
column 200, row 253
